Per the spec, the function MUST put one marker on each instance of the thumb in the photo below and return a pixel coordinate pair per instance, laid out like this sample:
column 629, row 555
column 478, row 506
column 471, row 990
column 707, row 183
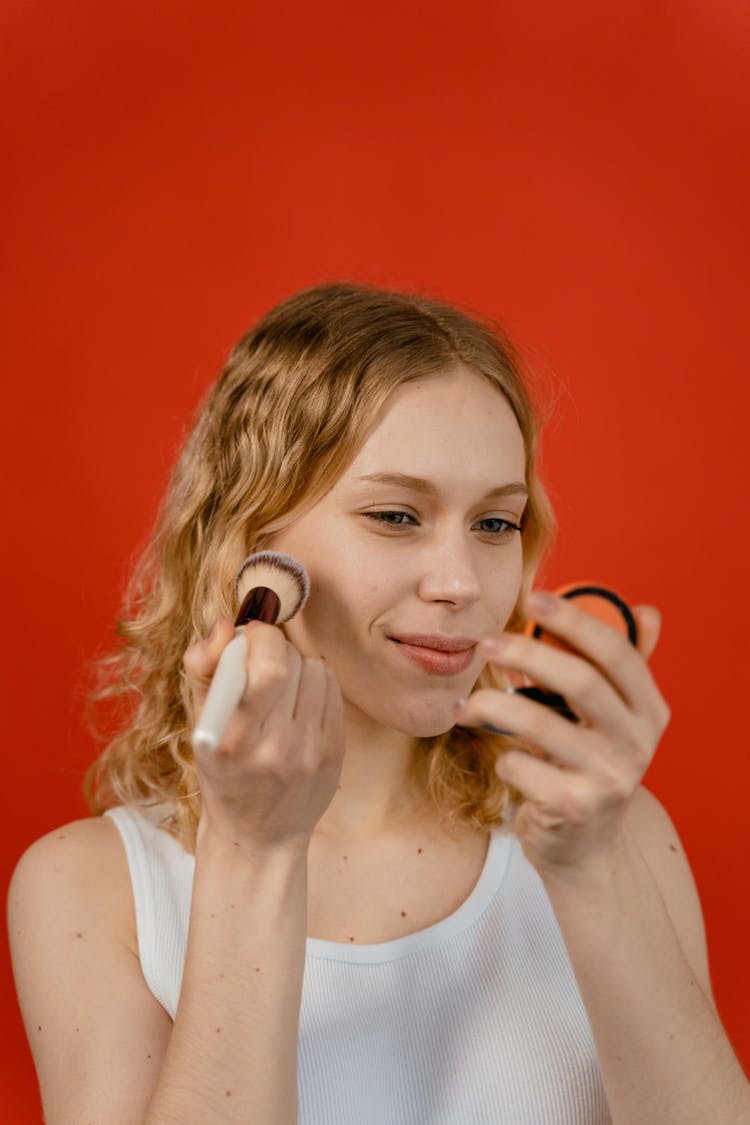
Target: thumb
column 648, row 621
column 200, row 660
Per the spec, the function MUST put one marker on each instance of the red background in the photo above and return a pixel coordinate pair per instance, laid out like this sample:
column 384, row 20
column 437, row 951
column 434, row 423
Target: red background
column 578, row 170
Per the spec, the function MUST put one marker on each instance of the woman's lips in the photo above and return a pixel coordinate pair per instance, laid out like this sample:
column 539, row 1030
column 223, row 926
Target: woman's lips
column 436, row 661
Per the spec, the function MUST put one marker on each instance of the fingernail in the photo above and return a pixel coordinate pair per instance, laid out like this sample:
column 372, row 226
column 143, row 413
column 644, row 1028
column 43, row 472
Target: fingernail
column 541, row 603
column 459, row 705
column 494, row 644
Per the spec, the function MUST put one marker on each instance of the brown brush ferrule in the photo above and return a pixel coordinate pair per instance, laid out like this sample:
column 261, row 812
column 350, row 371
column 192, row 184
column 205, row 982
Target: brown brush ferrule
column 260, row 604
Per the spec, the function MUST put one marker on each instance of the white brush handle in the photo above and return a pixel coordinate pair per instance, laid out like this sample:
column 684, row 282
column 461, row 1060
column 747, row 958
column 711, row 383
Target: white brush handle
column 223, row 696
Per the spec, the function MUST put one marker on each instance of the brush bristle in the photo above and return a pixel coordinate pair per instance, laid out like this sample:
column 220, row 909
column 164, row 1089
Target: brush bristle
column 282, row 574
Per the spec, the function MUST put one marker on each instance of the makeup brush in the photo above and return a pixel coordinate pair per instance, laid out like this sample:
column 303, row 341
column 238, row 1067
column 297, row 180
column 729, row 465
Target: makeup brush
column 270, row 587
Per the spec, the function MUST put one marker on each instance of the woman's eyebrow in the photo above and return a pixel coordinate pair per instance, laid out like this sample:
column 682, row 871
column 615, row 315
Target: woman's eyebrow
column 417, row 484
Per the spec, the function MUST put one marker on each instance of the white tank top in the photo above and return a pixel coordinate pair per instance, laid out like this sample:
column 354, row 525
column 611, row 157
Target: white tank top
column 476, row 1020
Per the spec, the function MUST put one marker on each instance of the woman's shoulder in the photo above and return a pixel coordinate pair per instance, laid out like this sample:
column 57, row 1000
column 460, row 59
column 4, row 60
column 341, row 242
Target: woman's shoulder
column 76, row 968
column 77, row 868
column 79, row 847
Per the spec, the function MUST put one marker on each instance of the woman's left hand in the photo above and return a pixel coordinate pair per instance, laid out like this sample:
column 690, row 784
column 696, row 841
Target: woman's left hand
column 576, row 797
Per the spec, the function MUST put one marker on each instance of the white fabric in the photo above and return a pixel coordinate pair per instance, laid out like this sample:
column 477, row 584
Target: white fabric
column 476, row 1020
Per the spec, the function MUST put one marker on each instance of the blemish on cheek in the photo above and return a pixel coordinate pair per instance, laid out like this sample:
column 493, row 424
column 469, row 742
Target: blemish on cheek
column 672, row 848
column 79, row 934
column 351, row 939
column 419, row 850
column 403, row 913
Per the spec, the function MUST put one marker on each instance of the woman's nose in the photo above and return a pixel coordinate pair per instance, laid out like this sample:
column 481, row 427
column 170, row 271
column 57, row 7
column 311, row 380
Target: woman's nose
column 449, row 573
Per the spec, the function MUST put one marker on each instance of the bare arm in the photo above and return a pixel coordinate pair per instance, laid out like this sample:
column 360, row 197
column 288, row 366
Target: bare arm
column 97, row 1035
column 232, row 1056
column 631, row 922
column 643, row 977
column 104, row 1048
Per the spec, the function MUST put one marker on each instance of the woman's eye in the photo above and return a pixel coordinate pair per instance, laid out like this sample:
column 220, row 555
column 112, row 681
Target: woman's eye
column 505, row 527
column 499, row 529
column 384, row 517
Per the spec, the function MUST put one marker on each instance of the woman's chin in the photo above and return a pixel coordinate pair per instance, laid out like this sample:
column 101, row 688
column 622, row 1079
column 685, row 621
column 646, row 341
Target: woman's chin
column 427, row 726
column 427, row 721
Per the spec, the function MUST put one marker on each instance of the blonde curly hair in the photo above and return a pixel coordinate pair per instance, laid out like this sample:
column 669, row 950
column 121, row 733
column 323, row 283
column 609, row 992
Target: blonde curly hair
column 290, row 411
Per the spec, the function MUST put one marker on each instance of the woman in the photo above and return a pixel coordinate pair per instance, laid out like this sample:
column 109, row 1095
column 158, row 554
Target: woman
column 370, row 908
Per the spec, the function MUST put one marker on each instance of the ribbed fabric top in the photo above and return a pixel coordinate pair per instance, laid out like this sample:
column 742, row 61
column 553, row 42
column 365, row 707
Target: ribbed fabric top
column 477, row 1019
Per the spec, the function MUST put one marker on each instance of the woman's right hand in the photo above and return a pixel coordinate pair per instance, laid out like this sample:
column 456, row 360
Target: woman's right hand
column 278, row 765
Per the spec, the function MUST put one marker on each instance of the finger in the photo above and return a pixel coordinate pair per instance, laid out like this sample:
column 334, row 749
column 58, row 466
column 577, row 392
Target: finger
column 560, row 739
column 648, row 619
column 268, row 692
column 589, row 693
column 560, row 797
column 201, row 658
column 311, row 694
column 333, row 718
column 285, row 703
column 319, row 717
column 609, row 650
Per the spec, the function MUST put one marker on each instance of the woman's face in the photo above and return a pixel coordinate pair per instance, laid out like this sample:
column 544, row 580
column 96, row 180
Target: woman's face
column 442, row 563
